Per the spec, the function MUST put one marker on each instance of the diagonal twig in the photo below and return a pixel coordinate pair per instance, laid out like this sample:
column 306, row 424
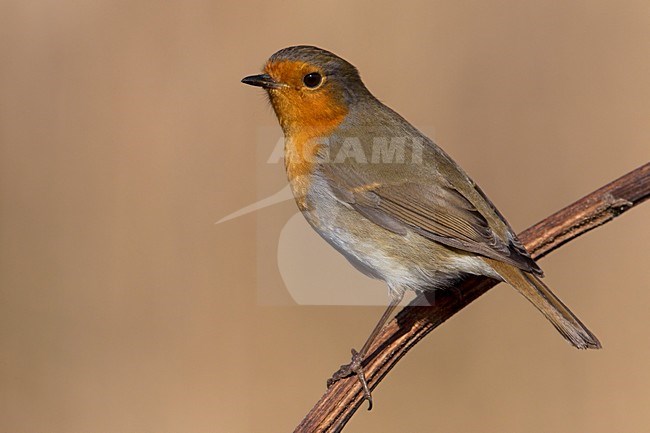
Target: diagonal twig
column 341, row 401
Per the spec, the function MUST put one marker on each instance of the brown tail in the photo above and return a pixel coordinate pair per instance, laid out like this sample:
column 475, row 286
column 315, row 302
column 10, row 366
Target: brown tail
column 541, row 297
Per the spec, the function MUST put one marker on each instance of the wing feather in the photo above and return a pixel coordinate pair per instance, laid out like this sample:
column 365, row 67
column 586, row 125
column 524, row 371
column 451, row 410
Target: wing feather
column 437, row 211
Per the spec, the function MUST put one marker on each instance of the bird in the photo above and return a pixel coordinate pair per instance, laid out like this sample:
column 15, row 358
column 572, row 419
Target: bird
column 388, row 198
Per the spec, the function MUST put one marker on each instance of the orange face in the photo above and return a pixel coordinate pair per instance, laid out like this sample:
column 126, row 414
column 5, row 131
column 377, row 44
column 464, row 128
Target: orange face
column 305, row 102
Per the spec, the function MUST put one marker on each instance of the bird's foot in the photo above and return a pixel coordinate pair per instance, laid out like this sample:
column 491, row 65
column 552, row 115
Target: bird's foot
column 347, row 370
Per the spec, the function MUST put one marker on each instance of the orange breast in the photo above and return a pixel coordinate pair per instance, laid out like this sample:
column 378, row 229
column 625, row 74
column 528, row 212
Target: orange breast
column 307, row 116
column 302, row 145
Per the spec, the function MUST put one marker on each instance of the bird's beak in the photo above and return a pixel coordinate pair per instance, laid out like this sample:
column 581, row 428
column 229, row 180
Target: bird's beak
column 262, row 80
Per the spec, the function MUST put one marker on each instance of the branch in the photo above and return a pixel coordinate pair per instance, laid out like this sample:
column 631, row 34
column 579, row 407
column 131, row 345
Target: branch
column 342, row 400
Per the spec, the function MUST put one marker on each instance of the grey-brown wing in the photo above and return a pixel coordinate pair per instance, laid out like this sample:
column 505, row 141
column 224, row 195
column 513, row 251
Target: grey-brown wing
column 437, row 211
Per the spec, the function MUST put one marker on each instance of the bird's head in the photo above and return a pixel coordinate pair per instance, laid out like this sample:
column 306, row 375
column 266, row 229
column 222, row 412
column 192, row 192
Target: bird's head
column 309, row 88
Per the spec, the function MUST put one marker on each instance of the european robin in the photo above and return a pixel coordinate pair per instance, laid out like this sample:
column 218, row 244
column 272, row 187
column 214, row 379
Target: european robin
column 387, row 197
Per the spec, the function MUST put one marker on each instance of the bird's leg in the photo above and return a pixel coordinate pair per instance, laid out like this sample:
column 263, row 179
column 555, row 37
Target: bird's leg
column 355, row 366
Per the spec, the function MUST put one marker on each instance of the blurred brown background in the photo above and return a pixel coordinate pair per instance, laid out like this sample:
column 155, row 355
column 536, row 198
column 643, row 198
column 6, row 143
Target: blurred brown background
column 125, row 134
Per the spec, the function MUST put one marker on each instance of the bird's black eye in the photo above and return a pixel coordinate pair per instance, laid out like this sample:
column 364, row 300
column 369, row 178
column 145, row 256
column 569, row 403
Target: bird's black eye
column 312, row 80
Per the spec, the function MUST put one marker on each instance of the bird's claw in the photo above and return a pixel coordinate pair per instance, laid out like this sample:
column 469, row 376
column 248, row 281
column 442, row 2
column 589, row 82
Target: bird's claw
column 347, row 370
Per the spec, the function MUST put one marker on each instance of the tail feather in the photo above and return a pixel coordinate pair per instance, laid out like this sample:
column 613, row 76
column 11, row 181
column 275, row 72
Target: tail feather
column 548, row 304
